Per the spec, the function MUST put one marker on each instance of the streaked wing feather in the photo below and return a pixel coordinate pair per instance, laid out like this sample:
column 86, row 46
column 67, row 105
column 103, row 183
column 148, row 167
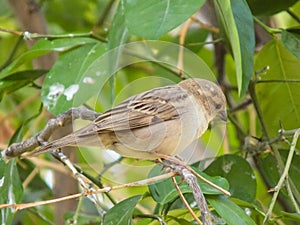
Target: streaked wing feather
column 133, row 116
column 135, row 112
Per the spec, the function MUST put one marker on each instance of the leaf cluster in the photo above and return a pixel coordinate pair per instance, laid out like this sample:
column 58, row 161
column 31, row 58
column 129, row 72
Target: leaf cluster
column 109, row 50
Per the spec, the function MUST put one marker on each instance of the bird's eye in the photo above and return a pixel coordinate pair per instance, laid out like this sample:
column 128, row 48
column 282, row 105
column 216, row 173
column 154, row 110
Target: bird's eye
column 218, row 106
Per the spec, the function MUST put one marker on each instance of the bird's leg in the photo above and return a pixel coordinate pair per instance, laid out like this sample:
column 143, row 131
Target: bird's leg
column 42, row 137
column 177, row 160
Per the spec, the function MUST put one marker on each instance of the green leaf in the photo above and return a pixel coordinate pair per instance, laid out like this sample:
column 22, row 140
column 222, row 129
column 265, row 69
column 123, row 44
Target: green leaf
column 278, row 98
column 121, row 213
column 229, row 211
column 118, row 32
column 245, row 28
column 153, row 18
column 11, row 190
column 228, row 27
column 17, row 80
column 291, row 41
column 269, row 7
column 43, row 47
column 118, row 35
column 164, row 191
column 67, row 83
column 239, row 174
column 293, row 216
column 236, row 23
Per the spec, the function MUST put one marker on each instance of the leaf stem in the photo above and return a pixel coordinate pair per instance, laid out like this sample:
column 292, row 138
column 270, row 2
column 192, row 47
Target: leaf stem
column 279, row 81
column 270, row 30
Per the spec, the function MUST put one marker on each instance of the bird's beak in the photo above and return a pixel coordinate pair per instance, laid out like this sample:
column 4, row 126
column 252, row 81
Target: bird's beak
column 222, row 115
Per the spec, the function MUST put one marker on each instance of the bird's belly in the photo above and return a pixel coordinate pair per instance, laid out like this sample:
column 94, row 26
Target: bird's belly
column 167, row 138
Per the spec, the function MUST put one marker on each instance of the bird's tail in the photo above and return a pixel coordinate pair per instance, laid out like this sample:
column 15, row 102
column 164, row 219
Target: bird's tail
column 69, row 140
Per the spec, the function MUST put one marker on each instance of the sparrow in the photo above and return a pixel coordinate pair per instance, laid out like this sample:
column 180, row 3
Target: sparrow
column 164, row 121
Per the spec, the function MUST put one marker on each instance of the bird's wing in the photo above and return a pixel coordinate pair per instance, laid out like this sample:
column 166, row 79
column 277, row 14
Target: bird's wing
column 136, row 112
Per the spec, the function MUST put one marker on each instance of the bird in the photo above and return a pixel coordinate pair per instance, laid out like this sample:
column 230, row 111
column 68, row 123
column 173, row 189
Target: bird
column 160, row 121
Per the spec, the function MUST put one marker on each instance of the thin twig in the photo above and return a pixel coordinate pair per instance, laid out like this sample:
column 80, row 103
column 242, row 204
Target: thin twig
column 204, row 43
column 182, row 36
column 18, row 33
column 87, row 193
column 283, row 177
column 185, row 202
column 278, row 81
column 205, row 26
column 30, row 177
column 241, row 106
column 28, row 36
column 209, row 182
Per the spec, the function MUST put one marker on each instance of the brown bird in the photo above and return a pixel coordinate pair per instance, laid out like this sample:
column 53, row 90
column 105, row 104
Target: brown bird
column 163, row 120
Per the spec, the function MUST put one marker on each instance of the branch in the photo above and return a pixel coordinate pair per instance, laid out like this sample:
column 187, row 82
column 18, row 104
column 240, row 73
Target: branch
column 190, row 176
column 198, row 195
column 17, row 149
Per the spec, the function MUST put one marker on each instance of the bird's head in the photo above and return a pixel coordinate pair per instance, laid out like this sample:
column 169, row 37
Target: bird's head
column 210, row 96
